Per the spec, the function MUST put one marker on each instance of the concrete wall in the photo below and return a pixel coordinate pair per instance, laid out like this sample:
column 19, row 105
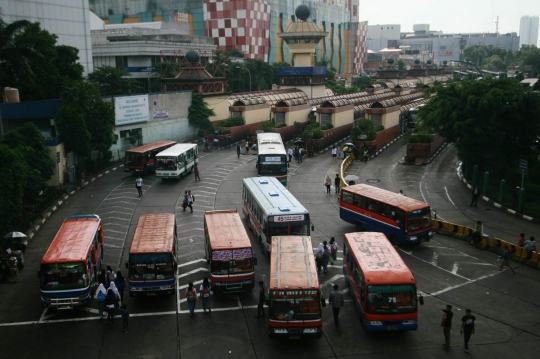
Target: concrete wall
column 390, row 119
column 220, row 106
column 297, row 116
column 343, row 117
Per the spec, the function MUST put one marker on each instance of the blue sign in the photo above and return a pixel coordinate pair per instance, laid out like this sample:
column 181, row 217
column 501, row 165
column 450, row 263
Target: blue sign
column 523, row 166
column 302, row 71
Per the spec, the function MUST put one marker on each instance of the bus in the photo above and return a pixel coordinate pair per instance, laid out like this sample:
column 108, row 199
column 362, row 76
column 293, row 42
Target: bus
column 271, row 210
column 72, row 263
column 412, row 116
column 152, row 259
column 271, row 156
column 177, row 161
column 382, row 286
column 294, row 294
column 404, row 220
column 140, row 160
column 229, row 254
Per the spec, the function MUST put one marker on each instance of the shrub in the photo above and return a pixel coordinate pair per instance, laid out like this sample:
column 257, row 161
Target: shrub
column 363, row 127
column 379, row 128
column 232, row 122
column 421, row 139
column 281, row 125
column 327, row 126
column 266, row 125
column 316, row 134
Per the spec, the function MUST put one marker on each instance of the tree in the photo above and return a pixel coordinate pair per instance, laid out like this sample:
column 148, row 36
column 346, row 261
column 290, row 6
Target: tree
column 363, row 129
column 491, row 122
column 362, row 82
column 530, row 56
column 401, row 65
column 199, row 113
column 12, row 180
column 114, row 81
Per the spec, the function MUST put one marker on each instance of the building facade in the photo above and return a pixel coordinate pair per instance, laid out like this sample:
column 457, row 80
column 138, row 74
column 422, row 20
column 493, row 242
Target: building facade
column 528, row 30
column 383, row 36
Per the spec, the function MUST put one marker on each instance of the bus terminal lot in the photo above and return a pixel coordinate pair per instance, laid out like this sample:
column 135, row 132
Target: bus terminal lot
column 506, row 306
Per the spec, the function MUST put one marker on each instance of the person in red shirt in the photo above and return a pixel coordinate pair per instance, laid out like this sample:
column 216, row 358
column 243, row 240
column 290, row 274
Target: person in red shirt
column 521, row 240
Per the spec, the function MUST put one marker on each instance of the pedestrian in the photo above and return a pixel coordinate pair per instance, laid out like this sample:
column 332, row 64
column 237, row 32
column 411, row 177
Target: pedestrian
column 111, row 302
column 102, row 277
column 447, row 325
column 401, row 192
column 530, row 246
column 216, row 142
column 296, row 153
column 290, row 153
column 247, row 147
column 333, row 250
column 475, row 194
column 337, row 183
column 238, row 150
column 229, row 141
column 125, row 318
column 336, row 301
column 521, row 240
column 505, row 256
column 328, row 184
column 120, row 283
column 191, row 298
column 190, row 199
column 366, row 155
column 322, row 256
column 83, row 175
column 300, row 154
column 101, row 294
column 205, row 293
column 196, row 171
column 184, row 203
column 477, row 234
column 138, row 184
column 467, row 327
column 515, row 197
column 262, row 299
column 334, row 153
column 109, row 277
column 339, row 153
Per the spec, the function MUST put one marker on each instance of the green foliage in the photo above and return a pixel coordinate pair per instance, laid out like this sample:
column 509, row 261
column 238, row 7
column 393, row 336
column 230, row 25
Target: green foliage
column 363, row 127
column 328, row 126
column 317, row 134
column 12, row 180
column 114, row 81
column 232, row 122
column 313, row 126
column 379, row 128
column 13, row 57
column 266, row 125
column 199, row 113
column 418, row 138
column 401, row 65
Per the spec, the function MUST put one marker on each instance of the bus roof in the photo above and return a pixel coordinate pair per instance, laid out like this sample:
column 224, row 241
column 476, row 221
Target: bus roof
column 292, row 264
column 151, row 146
column 274, row 198
column 379, row 260
column 270, row 144
column 225, row 230
column 394, row 199
column 154, row 234
column 176, row 149
column 73, row 239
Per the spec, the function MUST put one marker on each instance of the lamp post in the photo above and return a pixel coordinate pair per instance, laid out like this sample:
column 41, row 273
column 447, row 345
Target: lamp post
column 249, row 72
column 470, row 64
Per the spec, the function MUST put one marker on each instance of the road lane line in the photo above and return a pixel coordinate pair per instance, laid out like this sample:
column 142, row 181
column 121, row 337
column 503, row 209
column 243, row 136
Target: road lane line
column 461, row 285
column 192, row 262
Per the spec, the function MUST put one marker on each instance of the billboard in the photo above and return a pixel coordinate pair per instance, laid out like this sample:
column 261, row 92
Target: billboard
column 302, row 71
column 131, row 109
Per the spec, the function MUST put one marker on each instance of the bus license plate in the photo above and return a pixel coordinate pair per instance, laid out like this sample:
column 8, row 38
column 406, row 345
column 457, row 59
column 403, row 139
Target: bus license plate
column 151, row 294
column 392, row 328
column 294, row 337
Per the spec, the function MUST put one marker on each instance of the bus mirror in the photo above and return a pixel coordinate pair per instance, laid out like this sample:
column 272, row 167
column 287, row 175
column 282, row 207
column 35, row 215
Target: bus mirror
column 255, row 261
column 421, row 299
column 127, row 265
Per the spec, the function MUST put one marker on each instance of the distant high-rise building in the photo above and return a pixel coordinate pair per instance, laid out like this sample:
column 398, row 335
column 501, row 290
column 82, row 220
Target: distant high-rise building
column 528, row 30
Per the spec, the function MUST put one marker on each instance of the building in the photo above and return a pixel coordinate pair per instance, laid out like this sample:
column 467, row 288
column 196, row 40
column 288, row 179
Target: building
column 69, row 20
column 251, row 26
column 528, row 30
column 383, row 36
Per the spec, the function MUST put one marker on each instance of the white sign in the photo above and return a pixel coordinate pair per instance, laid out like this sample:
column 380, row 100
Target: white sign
column 131, row 109
column 291, row 218
column 161, row 114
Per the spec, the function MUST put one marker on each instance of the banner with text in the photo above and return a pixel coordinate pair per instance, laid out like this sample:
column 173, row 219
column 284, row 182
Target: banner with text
column 131, row 109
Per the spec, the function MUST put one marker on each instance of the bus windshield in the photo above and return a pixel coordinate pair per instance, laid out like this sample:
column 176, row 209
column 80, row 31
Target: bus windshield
column 133, row 159
column 272, row 165
column 62, row 276
column 391, row 299
column 282, row 229
column 151, row 266
column 419, row 219
column 297, row 305
column 232, row 266
column 166, row 163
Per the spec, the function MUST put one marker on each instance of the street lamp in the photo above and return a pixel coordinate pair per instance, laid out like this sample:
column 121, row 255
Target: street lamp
column 249, row 72
column 470, row 64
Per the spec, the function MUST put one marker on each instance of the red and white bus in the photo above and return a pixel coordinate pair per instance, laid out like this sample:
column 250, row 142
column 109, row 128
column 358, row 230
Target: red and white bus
column 141, row 160
column 381, row 284
column 72, row 262
column 229, row 254
column 294, row 294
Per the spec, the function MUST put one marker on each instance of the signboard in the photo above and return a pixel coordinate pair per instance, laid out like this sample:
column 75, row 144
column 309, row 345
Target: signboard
column 57, row 157
column 272, row 159
column 139, row 69
column 161, row 114
column 523, row 167
column 227, row 254
column 290, row 218
column 296, row 295
column 302, row 71
column 132, row 109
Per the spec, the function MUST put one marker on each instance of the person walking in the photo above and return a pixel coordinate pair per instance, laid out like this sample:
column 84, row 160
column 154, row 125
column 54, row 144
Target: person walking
column 446, row 324
column 333, row 250
column 109, row 277
column 138, row 184
column 229, row 141
column 102, row 278
column 111, row 302
column 120, row 283
column 290, row 153
column 300, row 154
column 467, row 327
column 238, row 150
column 205, row 293
column 190, row 199
column 477, row 235
column 184, row 202
column 530, row 246
column 296, row 153
column 196, row 171
column 521, row 240
column 506, row 256
column 83, row 175
column 337, row 182
column 366, row 155
column 334, row 153
column 322, row 256
column 191, row 298
column 328, row 184
column 125, row 318
column 262, row 299
column 247, row 147
column 101, row 294
column 336, row 301
column 475, row 194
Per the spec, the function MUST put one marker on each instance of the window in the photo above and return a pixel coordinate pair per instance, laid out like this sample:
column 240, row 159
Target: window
column 375, row 118
column 124, row 134
column 326, row 118
column 280, row 118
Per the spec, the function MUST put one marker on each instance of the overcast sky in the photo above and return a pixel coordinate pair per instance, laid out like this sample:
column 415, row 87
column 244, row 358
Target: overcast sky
column 450, row 16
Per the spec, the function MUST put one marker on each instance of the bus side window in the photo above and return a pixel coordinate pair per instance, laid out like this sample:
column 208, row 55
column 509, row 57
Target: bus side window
column 347, row 197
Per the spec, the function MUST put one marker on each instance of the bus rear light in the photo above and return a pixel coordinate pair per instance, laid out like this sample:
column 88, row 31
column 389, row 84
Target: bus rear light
column 310, row 330
column 374, row 322
column 280, row 331
column 408, row 322
column 412, row 238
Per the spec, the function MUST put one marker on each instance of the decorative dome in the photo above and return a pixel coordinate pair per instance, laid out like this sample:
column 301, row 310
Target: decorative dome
column 192, row 56
column 416, row 62
column 429, row 62
column 390, row 61
column 302, row 12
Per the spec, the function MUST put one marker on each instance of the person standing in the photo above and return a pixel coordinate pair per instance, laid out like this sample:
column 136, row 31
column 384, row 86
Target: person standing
column 138, row 184
column 120, row 283
column 505, row 256
column 205, row 293
column 184, row 203
column 290, row 153
column 191, row 298
column 190, row 199
column 101, row 294
column 446, row 324
column 229, row 141
column 262, row 299
column 83, row 175
column 366, row 155
column 521, row 240
column 328, row 184
column 300, row 154
column 333, row 250
column 467, row 327
column 196, row 171
column 334, row 153
column 247, row 147
column 475, row 194
column 238, row 150
column 111, row 302
column 109, row 277
column 337, row 182
column 125, row 318
column 477, row 235
column 336, row 301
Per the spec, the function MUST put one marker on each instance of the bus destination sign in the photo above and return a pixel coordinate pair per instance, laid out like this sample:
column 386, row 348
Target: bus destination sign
column 290, row 218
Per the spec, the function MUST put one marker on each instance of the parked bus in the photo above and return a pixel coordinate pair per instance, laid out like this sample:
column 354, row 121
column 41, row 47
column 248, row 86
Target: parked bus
column 294, row 298
column 152, row 256
column 271, row 156
column 271, row 210
column 70, row 266
column 140, row 160
column 404, row 220
column 177, row 161
column 229, row 254
column 381, row 284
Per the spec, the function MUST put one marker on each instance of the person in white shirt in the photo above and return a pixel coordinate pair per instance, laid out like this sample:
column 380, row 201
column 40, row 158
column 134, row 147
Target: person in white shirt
column 138, row 184
column 334, row 153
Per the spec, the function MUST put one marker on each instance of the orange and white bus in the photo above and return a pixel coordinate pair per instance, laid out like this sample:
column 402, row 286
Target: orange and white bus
column 294, row 298
column 381, row 284
column 141, row 160
column 152, row 262
column 70, row 266
column 229, row 254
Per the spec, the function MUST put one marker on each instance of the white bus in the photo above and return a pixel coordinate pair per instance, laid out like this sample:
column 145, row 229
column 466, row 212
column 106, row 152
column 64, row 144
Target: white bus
column 271, row 156
column 271, row 210
column 177, row 161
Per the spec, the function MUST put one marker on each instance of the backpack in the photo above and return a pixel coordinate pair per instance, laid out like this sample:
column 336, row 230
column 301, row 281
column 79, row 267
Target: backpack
column 101, row 296
column 333, row 249
column 190, row 296
column 206, row 292
column 326, row 252
column 111, row 298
